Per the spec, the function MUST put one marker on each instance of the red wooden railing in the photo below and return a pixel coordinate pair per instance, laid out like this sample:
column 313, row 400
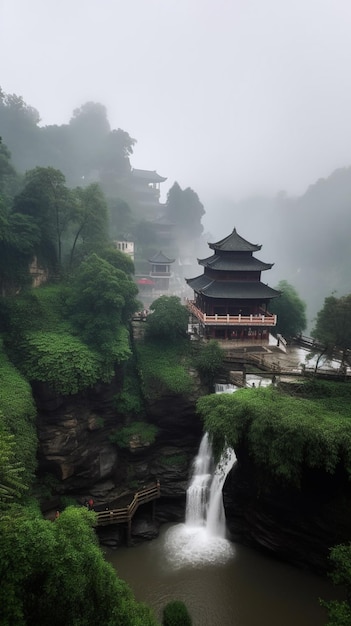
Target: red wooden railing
column 266, row 319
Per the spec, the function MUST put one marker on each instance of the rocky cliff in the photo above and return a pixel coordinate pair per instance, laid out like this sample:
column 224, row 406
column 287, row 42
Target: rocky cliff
column 74, row 445
column 295, row 525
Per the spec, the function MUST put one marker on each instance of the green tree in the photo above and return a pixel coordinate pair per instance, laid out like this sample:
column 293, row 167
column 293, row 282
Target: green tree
column 333, row 326
column 290, row 311
column 54, row 573
column 118, row 259
column 90, row 219
column 169, row 319
column 209, row 361
column 19, row 129
column 175, row 613
column 185, row 210
column 101, row 299
column 49, row 202
column 19, row 236
column 8, row 175
column 339, row 612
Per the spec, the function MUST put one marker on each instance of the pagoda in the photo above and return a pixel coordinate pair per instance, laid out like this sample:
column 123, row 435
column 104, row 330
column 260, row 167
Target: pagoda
column 230, row 301
column 161, row 270
column 146, row 187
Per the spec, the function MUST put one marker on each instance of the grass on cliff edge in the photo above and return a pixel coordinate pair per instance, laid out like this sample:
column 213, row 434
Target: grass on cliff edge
column 164, row 367
column 284, row 433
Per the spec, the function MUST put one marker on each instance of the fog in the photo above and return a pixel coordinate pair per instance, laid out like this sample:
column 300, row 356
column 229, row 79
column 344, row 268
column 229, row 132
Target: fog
column 230, row 97
column 233, row 98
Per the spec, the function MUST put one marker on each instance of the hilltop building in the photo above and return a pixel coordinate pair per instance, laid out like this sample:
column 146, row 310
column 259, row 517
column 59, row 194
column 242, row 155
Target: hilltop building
column 146, row 187
column 230, row 301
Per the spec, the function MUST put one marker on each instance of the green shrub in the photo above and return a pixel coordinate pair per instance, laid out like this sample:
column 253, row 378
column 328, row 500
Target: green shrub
column 209, row 361
column 282, row 433
column 17, row 415
column 175, row 613
column 62, row 361
column 142, row 432
column 164, row 368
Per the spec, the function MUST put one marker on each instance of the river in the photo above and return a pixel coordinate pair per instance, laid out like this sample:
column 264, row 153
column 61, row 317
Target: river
column 240, row 588
column 222, row 584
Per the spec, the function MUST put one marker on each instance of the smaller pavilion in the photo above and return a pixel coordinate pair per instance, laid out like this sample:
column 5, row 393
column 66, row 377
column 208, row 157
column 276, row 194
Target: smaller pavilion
column 230, row 301
column 161, row 271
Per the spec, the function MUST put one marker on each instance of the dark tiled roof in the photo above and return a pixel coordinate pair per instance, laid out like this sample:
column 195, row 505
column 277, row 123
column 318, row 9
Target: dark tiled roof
column 149, row 176
column 160, row 258
column 235, row 263
column 235, row 243
column 231, row 289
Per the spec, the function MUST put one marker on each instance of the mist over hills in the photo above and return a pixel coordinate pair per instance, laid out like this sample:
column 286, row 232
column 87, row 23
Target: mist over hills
column 306, row 237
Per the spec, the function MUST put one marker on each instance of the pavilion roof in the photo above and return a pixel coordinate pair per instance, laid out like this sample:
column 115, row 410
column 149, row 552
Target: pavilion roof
column 160, row 258
column 234, row 243
column 231, row 289
column 235, row 263
column 148, row 175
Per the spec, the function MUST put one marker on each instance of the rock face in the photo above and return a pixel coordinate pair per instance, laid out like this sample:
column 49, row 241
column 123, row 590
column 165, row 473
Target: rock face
column 295, row 525
column 74, row 445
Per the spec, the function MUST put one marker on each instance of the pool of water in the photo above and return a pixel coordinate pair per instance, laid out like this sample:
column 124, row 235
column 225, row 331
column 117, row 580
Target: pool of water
column 222, row 584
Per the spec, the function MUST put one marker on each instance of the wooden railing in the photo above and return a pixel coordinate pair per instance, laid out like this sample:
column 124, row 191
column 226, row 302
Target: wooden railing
column 125, row 514
column 233, row 320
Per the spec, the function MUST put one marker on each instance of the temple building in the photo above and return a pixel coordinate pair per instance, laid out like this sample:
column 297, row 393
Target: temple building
column 230, row 301
column 146, row 187
column 161, row 271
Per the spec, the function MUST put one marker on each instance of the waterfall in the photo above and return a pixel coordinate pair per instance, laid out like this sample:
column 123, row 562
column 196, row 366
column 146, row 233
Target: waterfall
column 225, row 388
column 202, row 539
column 204, row 505
column 197, row 493
column 215, row 510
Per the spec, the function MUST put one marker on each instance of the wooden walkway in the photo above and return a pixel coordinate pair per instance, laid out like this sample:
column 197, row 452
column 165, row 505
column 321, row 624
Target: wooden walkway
column 124, row 515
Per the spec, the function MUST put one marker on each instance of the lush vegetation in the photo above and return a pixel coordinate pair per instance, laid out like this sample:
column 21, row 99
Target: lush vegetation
column 17, row 423
column 169, row 320
column 283, row 433
column 209, row 361
column 164, row 367
column 54, row 573
column 141, row 433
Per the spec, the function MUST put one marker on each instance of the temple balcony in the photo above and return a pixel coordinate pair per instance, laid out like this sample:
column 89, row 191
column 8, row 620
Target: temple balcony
column 263, row 320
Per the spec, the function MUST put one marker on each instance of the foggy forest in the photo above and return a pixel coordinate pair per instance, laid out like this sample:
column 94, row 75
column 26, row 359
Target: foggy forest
column 305, row 236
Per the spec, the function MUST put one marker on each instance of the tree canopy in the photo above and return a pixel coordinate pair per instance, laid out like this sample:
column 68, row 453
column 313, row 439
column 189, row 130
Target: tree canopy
column 54, row 573
column 100, row 299
column 290, row 311
column 169, row 319
column 333, row 325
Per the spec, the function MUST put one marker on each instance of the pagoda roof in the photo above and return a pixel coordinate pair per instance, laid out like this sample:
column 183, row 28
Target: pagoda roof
column 234, row 243
column 160, row 258
column 235, row 263
column 231, row 289
column 148, row 175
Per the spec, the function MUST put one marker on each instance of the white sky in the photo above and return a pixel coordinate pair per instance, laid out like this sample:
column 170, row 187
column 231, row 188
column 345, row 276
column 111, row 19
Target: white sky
column 230, row 97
